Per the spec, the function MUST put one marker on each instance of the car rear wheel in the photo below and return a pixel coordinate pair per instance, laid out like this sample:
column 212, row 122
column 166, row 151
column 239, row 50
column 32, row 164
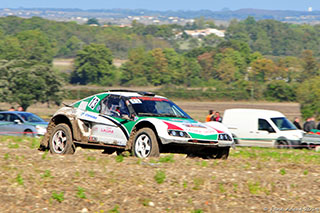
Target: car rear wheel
column 60, row 141
column 282, row 145
column 145, row 144
column 28, row 133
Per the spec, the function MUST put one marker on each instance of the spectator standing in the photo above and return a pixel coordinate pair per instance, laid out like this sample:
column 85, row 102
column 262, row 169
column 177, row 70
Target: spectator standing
column 309, row 124
column 20, row 108
column 11, row 109
column 218, row 117
column 296, row 122
column 210, row 116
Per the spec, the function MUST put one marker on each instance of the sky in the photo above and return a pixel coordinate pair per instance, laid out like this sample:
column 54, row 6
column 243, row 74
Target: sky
column 214, row 5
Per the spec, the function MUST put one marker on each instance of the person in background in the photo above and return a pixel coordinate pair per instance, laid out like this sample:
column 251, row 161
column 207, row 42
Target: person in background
column 11, row 109
column 210, row 116
column 309, row 124
column 296, row 122
column 218, row 117
column 20, row 108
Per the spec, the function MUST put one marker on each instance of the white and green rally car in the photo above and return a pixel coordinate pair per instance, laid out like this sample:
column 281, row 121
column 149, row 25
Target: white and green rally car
column 140, row 122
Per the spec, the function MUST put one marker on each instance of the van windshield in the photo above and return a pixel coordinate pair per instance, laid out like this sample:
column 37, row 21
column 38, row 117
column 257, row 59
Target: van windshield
column 283, row 124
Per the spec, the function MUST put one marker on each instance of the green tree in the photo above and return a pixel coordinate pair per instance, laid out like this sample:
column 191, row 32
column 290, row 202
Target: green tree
column 135, row 69
column 159, row 73
column 26, row 83
column 308, row 95
column 93, row 65
column 71, row 47
column 279, row 90
column 262, row 70
column 93, row 21
column 310, row 65
column 36, row 46
column 10, row 48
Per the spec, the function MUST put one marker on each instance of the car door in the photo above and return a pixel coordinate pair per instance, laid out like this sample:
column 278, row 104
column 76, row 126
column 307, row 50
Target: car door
column 110, row 127
column 12, row 127
column 265, row 134
column 4, row 123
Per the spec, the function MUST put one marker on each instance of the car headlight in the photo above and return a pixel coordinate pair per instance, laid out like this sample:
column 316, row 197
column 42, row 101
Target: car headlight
column 225, row 137
column 178, row 133
column 41, row 129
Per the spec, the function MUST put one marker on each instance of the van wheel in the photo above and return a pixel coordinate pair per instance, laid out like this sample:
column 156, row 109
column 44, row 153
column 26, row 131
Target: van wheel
column 145, row 144
column 60, row 141
column 235, row 139
column 282, row 145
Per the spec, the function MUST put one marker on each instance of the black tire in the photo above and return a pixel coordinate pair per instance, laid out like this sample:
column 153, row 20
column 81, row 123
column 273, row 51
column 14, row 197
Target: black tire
column 109, row 151
column 28, row 133
column 145, row 144
column 216, row 153
column 282, row 145
column 235, row 139
column 60, row 141
column 222, row 153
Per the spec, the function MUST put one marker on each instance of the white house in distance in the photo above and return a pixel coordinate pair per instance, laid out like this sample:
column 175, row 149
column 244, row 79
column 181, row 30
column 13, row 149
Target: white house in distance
column 204, row 32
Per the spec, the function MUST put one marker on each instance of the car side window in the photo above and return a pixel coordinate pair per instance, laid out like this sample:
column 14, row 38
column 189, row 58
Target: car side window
column 3, row 117
column 13, row 117
column 265, row 126
column 114, row 106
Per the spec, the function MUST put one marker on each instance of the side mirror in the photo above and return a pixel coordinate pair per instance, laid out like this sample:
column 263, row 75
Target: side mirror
column 17, row 121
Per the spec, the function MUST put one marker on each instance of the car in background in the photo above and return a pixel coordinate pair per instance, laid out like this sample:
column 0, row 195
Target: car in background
column 263, row 128
column 139, row 122
column 21, row 124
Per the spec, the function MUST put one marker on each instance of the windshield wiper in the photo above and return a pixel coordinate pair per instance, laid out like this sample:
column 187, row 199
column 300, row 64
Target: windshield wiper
column 147, row 114
column 172, row 115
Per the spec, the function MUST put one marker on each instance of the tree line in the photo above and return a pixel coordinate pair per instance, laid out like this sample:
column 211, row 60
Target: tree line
column 257, row 60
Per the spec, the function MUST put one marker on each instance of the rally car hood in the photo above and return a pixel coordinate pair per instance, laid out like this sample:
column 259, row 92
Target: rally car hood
column 206, row 131
column 191, row 126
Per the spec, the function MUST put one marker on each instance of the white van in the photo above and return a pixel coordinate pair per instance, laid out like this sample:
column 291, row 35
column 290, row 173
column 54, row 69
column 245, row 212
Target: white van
column 264, row 128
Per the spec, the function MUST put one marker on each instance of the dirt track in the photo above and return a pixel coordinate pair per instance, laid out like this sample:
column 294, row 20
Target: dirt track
column 249, row 181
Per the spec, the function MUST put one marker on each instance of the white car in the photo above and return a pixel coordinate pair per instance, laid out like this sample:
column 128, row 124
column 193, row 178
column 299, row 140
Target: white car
column 140, row 122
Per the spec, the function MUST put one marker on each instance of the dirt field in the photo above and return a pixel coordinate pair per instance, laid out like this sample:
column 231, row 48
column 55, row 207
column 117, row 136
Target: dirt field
column 251, row 180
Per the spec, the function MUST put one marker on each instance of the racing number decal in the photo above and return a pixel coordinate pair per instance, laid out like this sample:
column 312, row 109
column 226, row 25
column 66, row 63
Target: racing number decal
column 93, row 103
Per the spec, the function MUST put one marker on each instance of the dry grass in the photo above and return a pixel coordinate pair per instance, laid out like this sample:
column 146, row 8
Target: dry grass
column 89, row 181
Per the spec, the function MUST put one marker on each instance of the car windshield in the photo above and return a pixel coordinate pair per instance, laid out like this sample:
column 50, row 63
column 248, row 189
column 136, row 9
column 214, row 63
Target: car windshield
column 283, row 123
column 31, row 117
column 151, row 106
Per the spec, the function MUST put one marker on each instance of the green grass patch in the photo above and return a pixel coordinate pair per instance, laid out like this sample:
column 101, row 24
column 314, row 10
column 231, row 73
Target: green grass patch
column 160, row 176
column 119, row 158
column 198, row 182
column 279, row 155
column 80, row 193
column 282, row 171
column 167, row 159
column 20, row 180
column 57, row 196
column 46, row 174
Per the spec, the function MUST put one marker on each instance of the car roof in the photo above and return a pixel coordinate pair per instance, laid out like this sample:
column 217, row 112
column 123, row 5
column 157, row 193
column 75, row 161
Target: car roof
column 129, row 93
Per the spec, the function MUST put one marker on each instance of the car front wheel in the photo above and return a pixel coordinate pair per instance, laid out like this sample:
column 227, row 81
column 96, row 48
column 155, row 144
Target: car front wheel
column 145, row 144
column 61, row 140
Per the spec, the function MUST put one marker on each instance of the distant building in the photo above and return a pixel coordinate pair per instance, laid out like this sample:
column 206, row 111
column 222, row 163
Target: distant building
column 203, row 33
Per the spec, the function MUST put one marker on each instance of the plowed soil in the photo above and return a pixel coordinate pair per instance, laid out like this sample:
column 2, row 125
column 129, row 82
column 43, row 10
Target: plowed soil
column 251, row 180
